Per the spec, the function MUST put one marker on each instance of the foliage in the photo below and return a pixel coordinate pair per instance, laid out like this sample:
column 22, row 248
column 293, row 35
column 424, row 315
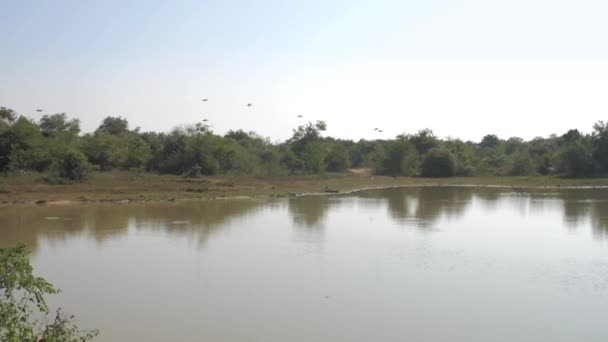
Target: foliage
column 600, row 144
column 22, row 301
column 424, row 140
column 114, row 125
column 438, row 162
column 575, row 160
column 402, row 158
column 57, row 124
column 337, row 159
column 490, row 141
column 55, row 144
column 73, row 166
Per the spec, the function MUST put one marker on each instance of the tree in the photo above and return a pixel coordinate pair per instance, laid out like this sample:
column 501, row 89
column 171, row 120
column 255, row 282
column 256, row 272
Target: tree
column 23, row 147
column 307, row 145
column 599, row 140
column 513, row 144
column 424, row 140
column 522, row 165
column 22, row 301
column 114, row 125
column 438, row 162
column 337, row 159
column 489, row 141
column 401, row 158
column 53, row 125
column 73, row 166
column 7, row 116
column 313, row 157
column 106, row 150
column 572, row 136
column 464, row 154
column 575, row 160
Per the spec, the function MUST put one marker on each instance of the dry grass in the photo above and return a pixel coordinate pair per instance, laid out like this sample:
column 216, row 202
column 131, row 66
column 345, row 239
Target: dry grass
column 126, row 186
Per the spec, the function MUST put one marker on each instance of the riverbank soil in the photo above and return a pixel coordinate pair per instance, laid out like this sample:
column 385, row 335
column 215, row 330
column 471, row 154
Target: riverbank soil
column 127, row 186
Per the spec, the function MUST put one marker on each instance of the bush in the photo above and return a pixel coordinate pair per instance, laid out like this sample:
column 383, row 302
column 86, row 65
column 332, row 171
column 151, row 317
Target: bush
column 337, row 160
column 401, row 159
column 575, row 160
column 522, row 165
column 74, row 166
column 22, row 302
column 438, row 162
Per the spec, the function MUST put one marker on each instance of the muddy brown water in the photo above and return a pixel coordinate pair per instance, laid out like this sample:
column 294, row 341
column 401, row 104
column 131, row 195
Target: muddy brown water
column 410, row 264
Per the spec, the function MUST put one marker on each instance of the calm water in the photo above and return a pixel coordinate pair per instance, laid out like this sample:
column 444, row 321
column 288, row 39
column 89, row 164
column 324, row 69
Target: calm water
column 417, row 264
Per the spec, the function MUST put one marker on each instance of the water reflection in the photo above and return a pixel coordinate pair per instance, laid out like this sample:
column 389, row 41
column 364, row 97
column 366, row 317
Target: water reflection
column 586, row 205
column 198, row 219
column 310, row 211
column 423, row 207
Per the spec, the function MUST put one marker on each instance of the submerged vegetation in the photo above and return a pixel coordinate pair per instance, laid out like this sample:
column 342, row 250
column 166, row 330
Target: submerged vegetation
column 54, row 145
column 22, row 304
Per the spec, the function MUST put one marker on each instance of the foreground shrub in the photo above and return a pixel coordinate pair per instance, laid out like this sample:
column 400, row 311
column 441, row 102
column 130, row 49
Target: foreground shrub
column 22, row 301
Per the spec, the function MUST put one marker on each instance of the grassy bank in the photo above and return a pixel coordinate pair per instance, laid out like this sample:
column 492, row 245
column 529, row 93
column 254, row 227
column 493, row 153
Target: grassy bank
column 126, row 186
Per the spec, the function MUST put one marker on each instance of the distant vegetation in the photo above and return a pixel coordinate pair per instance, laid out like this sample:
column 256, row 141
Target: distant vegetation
column 55, row 145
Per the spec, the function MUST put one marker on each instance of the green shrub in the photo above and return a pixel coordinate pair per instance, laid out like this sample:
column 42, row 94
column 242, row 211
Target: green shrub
column 438, row 162
column 74, row 166
column 22, row 302
column 575, row 160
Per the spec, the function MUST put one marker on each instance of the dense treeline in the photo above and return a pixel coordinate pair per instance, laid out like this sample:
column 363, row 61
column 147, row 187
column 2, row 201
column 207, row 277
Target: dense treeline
column 54, row 144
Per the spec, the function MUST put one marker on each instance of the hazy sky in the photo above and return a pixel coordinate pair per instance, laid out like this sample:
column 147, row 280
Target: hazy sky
column 461, row 68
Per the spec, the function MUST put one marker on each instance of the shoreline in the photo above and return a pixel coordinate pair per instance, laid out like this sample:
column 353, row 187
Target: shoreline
column 118, row 187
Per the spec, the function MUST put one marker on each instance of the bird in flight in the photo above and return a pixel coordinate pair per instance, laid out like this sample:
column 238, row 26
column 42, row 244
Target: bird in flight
column 375, row 129
column 205, row 100
column 299, row 116
column 249, row 105
column 39, row 110
column 205, row 120
column 380, row 131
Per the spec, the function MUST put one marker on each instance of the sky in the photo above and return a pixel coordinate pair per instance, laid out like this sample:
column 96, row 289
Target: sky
column 461, row 68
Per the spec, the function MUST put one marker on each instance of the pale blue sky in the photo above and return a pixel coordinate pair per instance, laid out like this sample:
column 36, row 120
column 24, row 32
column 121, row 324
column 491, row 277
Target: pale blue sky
column 461, row 68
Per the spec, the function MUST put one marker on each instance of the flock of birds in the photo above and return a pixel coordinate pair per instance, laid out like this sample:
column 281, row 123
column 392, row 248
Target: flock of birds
column 248, row 106
column 299, row 116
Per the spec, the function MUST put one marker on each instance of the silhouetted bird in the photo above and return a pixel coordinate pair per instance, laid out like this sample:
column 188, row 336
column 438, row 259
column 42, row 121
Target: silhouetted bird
column 249, row 105
column 375, row 129
column 205, row 120
column 204, row 100
column 299, row 116
column 39, row 110
column 380, row 131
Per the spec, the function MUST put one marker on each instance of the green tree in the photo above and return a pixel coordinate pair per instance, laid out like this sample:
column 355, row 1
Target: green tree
column 73, row 166
column 489, row 141
column 56, row 124
column 313, row 157
column 575, row 160
column 307, row 145
column 424, row 140
column 401, row 158
column 26, row 147
column 7, row 116
column 22, row 301
column 337, row 159
column 114, row 125
column 438, row 162
column 105, row 150
column 522, row 165
column 600, row 144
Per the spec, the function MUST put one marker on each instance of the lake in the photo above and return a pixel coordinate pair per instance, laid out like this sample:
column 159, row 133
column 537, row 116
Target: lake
column 402, row 264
